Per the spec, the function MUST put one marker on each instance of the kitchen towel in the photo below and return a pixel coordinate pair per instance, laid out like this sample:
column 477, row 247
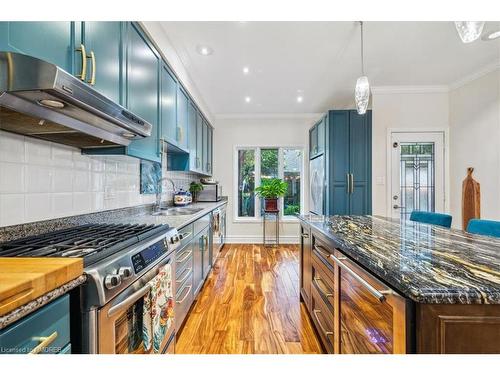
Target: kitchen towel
column 158, row 311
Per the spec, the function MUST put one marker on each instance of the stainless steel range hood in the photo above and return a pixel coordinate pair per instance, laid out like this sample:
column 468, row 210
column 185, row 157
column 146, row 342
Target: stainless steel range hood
column 41, row 100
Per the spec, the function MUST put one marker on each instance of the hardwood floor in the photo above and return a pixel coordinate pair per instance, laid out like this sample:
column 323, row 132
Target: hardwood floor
column 250, row 304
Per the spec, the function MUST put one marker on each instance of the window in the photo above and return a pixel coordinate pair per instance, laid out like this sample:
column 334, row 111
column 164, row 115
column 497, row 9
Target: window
column 257, row 164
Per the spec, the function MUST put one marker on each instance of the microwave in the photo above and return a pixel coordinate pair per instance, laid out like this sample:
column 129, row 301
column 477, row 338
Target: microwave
column 210, row 193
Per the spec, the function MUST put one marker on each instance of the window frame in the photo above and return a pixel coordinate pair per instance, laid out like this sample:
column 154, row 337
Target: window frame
column 257, row 203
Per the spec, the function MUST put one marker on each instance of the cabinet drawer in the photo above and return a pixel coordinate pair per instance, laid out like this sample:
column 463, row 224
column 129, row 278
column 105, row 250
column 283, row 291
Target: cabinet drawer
column 183, row 259
column 323, row 282
column 201, row 224
column 322, row 318
column 183, row 300
column 49, row 326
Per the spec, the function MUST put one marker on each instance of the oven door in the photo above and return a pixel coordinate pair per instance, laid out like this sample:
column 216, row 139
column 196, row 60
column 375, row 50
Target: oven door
column 120, row 321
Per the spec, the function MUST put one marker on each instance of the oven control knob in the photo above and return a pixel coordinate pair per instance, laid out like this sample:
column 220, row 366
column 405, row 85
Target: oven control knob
column 125, row 272
column 112, row 281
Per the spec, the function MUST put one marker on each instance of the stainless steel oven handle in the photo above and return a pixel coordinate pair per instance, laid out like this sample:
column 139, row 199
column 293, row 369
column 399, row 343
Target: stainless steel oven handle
column 186, row 235
column 129, row 301
column 379, row 295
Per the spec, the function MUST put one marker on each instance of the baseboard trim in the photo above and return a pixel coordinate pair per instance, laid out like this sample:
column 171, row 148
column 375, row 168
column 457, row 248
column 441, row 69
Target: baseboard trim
column 258, row 239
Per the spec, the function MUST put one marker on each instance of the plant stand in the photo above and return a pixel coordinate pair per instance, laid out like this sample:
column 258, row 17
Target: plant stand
column 268, row 217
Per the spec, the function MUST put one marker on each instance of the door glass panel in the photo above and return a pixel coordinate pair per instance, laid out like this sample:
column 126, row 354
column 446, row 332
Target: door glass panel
column 269, row 168
column 292, row 167
column 417, row 176
column 246, row 183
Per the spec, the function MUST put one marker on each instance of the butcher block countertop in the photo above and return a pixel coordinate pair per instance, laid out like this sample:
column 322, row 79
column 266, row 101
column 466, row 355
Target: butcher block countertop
column 23, row 280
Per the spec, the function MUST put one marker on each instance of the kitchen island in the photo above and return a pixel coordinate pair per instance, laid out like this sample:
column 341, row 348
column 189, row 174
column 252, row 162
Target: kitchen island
column 373, row 285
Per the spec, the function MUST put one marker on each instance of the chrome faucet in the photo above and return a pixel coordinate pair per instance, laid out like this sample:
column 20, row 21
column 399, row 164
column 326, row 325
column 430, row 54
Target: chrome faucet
column 158, row 191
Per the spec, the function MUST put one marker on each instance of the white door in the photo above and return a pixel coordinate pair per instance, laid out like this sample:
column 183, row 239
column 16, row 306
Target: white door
column 417, row 173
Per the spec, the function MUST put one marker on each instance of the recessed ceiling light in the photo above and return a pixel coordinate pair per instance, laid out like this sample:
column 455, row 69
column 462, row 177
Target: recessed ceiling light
column 246, row 70
column 491, row 36
column 299, row 99
column 248, row 99
column 204, row 50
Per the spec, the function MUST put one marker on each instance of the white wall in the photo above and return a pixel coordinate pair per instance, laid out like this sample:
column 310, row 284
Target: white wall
column 475, row 142
column 400, row 109
column 256, row 131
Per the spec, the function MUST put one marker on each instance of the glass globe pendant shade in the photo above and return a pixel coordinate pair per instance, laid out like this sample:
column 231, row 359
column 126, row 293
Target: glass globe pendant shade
column 469, row 31
column 362, row 94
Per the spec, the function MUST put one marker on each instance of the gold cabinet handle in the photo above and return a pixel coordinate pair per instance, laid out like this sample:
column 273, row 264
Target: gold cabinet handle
column 83, row 73
column 317, row 281
column 185, row 255
column 44, row 343
column 184, row 276
column 327, row 333
column 92, row 76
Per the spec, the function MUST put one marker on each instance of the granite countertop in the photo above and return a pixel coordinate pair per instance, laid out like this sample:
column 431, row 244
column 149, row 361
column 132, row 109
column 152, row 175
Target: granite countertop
column 131, row 215
column 428, row 264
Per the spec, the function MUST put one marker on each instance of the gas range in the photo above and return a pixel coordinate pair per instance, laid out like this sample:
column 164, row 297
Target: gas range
column 119, row 260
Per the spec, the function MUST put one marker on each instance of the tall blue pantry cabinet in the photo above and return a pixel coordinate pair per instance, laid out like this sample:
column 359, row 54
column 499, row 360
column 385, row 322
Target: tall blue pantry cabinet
column 348, row 162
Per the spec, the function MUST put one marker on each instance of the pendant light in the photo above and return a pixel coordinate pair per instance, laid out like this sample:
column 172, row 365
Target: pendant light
column 469, row 31
column 362, row 91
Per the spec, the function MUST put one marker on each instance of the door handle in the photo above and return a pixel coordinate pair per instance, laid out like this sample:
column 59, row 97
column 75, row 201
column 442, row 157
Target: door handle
column 92, row 76
column 348, row 182
column 83, row 73
column 351, row 183
column 397, row 207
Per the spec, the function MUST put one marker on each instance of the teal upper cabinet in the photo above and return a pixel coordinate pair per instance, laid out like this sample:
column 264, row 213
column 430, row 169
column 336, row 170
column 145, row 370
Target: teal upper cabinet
column 168, row 106
column 182, row 119
column 199, row 142
column 192, row 114
column 103, row 46
column 142, row 91
column 49, row 41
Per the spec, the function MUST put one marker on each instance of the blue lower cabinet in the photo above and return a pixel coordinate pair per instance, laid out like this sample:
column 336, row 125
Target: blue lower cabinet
column 45, row 331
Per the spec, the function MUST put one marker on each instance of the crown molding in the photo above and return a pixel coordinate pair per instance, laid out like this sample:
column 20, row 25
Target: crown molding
column 268, row 116
column 476, row 75
column 424, row 89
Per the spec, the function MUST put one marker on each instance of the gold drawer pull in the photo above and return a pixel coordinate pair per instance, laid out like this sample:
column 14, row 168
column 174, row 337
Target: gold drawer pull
column 327, row 333
column 322, row 251
column 45, row 341
column 92, row 75
column 317, row 281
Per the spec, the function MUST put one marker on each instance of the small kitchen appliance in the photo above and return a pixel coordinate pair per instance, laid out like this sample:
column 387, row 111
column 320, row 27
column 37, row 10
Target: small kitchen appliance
column 210, row 193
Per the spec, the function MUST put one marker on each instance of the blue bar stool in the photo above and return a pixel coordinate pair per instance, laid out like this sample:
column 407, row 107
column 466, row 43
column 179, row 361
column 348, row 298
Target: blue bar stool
column 433, row 218
column 484, row 227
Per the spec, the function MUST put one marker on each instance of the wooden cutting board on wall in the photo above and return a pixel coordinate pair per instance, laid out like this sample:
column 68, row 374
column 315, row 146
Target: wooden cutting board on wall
column 471, row 199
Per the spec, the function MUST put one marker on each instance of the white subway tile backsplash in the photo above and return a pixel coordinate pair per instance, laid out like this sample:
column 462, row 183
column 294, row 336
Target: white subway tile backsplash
column 12, row 178
column 81, row 181
column 12, row 147
column 62, row 180
column 38, row 179
column 62, row 204
column 41, row 180
column 38, row 152
column 62, row 156
column 82, row 203
column 37, row 207
column 11, row 209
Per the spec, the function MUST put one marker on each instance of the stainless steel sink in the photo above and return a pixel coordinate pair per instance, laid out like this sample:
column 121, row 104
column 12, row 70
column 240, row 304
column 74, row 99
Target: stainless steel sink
column 177, row 211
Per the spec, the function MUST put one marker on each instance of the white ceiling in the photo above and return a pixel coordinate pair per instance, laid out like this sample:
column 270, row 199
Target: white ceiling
column 322, row 59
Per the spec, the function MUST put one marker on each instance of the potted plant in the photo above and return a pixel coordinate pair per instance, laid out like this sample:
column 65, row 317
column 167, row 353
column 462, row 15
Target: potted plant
column 271, row 190
column 194, row 189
